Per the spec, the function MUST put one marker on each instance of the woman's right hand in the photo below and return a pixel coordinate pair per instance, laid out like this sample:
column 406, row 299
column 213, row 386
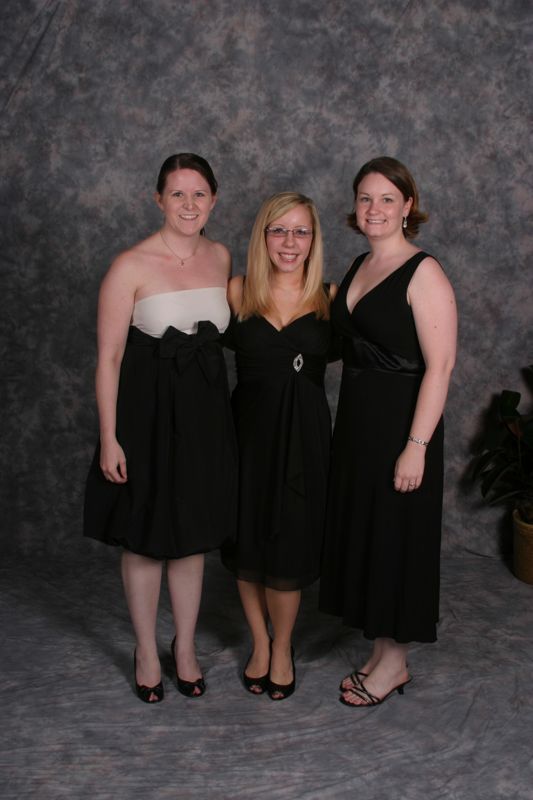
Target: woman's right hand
column 113, row 462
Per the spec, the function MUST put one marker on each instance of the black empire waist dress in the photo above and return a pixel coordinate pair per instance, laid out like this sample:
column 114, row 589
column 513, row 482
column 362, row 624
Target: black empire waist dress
column 381, row 558
column 283, row 429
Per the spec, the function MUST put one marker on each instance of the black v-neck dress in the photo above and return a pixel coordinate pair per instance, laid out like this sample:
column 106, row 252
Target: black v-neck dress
column 283, row 429
column 381, row 558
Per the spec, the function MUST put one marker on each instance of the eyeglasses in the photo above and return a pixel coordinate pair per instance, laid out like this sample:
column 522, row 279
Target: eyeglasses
column 280, row 233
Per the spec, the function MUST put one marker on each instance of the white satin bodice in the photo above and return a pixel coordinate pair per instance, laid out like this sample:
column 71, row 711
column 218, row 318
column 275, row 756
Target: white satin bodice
column 181, row 310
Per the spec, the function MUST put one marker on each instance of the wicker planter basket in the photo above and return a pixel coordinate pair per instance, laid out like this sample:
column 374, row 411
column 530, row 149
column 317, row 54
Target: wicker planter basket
column 522, row 549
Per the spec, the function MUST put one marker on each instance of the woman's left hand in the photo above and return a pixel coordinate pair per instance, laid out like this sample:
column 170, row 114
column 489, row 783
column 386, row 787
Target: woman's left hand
column 409, row 469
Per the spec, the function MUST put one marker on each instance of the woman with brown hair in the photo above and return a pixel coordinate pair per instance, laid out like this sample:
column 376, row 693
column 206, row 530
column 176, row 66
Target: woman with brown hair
column 395, row 310
column 163, row 480
column 281, row 335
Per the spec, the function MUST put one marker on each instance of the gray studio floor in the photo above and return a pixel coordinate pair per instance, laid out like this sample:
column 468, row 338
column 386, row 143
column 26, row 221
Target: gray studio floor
column 73, row 727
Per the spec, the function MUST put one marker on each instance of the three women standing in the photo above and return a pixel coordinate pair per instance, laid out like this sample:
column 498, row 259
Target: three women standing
column 163, row 481
column 281, row 336
column 396, row 312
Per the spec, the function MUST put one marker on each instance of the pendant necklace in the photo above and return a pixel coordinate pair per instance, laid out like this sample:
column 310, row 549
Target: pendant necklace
column 180, row 258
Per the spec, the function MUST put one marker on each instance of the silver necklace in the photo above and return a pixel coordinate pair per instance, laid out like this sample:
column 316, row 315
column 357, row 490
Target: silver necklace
column 180, row 258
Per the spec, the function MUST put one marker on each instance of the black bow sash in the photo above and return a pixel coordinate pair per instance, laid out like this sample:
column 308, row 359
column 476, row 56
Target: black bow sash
column 203, row 346
column 183, row 348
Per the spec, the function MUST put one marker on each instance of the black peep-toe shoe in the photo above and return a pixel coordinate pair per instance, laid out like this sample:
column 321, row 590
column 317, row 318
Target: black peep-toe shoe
column 256, row 685
column 188, row 688
column 145, row 693
column 279, row 691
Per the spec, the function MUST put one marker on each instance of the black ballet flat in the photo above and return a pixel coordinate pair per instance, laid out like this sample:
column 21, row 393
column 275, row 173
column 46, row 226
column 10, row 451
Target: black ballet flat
column 261, row 684
column 187, row 688
column 145, row 693
column 370, row 699
column 355, row 679
column 283, row 690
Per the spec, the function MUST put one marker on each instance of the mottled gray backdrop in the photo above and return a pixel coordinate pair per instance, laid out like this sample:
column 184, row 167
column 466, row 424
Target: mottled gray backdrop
column 292, row 94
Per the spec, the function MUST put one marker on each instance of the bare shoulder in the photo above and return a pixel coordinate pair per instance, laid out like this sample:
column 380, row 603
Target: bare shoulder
column 123, row 267
column 429, row 266
column 430, row 293
column 333, row 289
column 221, row 255
column 128, row 267
column 430, row 274
column 235, row 292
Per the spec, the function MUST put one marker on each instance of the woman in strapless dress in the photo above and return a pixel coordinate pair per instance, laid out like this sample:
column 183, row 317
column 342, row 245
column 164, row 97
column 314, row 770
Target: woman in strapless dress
column 163, row 480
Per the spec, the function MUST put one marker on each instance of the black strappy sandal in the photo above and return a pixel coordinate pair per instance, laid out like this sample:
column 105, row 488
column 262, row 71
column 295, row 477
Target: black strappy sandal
column 355, row 679
column 370, row 699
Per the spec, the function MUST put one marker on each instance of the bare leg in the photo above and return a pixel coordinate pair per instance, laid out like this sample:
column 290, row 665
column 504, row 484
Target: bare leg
column 255, row 610
column 373, row 660
column 390, row 671
column 141, row 577
column 282, row 609
column 185, row 578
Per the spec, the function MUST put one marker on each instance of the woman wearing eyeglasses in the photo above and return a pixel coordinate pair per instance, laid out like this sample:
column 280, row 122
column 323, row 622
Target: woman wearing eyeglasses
column 281, row 336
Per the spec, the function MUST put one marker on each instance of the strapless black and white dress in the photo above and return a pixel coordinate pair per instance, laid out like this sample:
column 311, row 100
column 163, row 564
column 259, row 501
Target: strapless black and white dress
column 175, row 425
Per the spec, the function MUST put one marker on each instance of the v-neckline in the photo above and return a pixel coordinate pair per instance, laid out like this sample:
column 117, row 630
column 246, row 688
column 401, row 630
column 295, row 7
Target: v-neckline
column 373, row 289
column 284, row 327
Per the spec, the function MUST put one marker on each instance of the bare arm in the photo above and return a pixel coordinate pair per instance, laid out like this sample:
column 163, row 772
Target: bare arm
column 235, row 291
column 227, row 262
column 434, row 310
column 115, row 307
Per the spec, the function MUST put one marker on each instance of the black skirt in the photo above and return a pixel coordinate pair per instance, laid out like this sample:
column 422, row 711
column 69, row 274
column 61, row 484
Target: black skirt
column 175, row 426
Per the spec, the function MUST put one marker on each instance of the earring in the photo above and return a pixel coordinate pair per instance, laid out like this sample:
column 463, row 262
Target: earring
column 404, row 223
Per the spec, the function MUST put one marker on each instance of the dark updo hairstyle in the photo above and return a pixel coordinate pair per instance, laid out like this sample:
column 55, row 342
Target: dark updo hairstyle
column 186, row 161
column 400, row 176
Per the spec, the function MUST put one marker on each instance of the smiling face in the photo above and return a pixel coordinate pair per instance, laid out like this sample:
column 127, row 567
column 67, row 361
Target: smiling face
column 289, row 253
column 186, row 201
column 380, row 207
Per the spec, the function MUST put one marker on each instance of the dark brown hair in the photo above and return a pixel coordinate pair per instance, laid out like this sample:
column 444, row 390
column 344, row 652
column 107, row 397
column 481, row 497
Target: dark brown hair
column 399, row 175
column 186, row 161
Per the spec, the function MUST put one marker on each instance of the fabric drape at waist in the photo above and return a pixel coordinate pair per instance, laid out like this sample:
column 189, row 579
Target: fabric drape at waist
column 183, row 349
column 252, row 368
column 182, row 380
column 360, row 354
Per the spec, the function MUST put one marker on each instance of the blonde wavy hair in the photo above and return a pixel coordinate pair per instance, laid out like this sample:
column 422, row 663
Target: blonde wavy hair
column 257, row 296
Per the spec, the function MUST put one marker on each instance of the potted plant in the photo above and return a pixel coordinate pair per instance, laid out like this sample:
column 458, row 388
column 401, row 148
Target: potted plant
column 504, row 467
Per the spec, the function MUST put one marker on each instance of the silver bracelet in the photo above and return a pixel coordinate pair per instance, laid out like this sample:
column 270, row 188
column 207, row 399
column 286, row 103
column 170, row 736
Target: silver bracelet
column 417, row 441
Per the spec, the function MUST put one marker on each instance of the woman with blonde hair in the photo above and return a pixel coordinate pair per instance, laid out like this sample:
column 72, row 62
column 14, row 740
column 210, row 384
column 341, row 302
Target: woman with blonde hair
column 281, row 336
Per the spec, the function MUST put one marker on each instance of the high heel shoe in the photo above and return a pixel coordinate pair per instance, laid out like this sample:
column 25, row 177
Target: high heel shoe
column 282, row 690
column 188, row 688
column 261, row 683
column 145, row 693
column 355, row 679
column 370, row 699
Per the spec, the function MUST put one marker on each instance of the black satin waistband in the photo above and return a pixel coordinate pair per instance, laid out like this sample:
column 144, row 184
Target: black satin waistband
column 361, row 354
